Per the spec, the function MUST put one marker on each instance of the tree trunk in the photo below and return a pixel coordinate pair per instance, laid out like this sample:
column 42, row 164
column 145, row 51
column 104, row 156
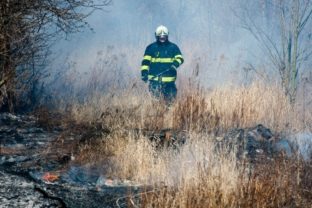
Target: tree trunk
column 7, row 66
column 294, row 69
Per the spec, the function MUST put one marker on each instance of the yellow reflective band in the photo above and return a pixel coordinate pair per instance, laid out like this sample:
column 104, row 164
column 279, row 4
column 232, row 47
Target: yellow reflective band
column 147, row 57
column 162, row 60
column 163, row 79
column 178, row 56
column 144, row 67
column 178, row 60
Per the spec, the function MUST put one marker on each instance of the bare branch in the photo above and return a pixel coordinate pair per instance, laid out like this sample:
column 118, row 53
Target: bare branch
column 29, row 27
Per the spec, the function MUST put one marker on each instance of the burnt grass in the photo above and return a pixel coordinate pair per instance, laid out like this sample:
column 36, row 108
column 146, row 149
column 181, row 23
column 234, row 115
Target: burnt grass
column 51, row 142
column 29, row 149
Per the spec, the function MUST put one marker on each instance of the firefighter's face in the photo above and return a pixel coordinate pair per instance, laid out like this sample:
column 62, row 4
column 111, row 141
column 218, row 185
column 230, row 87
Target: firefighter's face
column 162, row 38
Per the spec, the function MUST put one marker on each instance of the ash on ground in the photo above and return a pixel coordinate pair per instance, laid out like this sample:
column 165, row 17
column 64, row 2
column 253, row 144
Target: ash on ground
column 35, row 170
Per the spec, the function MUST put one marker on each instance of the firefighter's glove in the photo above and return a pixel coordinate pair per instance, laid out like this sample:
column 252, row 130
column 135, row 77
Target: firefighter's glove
column 144, row 78
column 173, row 70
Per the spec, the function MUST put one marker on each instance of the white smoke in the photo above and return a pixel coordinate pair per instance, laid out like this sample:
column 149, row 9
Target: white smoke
column 304, row 143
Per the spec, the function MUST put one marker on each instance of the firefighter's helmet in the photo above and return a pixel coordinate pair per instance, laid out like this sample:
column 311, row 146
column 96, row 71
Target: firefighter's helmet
column 162, row 33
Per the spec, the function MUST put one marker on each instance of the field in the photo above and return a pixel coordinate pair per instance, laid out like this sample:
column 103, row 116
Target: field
column 198, row 173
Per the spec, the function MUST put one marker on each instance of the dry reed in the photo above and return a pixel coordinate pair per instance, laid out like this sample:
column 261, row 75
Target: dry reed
column 196, row 175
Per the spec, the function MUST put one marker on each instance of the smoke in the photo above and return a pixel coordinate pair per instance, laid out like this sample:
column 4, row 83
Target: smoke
column 209, row 33
column 304, row 143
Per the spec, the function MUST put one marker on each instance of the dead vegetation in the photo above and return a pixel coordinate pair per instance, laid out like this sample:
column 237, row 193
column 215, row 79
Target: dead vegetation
column 117, row 131
column 271, row 184
column 197, row 111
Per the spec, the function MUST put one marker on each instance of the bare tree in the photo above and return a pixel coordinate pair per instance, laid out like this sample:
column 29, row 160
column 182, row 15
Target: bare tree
column 289, row 48
column 27, row 29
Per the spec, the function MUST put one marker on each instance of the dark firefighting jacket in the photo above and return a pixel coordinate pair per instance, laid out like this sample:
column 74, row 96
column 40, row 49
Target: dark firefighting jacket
column 158, row 58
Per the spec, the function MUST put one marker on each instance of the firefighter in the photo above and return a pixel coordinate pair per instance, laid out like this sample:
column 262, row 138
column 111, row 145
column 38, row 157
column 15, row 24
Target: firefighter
column 159, row 66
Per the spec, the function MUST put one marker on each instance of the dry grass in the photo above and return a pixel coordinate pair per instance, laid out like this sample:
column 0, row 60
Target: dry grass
column 231, row 107
column 197, row 110
column 270, row 185
column 196, row 175
column 201, row 175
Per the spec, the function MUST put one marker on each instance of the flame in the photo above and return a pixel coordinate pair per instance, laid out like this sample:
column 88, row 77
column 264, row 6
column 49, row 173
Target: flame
column 50, row 177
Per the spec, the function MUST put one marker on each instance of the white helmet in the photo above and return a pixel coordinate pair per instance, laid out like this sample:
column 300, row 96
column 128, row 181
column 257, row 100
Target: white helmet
column 161, row 33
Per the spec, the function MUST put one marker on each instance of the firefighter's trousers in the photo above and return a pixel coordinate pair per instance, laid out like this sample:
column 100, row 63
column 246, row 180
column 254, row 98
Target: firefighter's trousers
column 163, row 90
